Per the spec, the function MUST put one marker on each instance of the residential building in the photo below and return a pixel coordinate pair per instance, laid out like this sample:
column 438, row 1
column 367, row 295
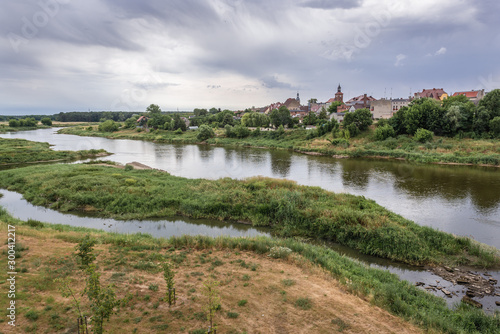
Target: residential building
column 381, row 109
column 473, row 95
column 434, row 93
column 399, row 103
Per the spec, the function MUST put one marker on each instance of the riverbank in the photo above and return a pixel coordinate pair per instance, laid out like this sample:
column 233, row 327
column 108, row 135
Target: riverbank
column 289, row 209
column 441, row 150
column 313, row 288
column 21, row 151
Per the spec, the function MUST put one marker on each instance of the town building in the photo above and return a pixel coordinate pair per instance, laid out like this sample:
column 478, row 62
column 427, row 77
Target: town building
column 434, row 93
column 473, row 95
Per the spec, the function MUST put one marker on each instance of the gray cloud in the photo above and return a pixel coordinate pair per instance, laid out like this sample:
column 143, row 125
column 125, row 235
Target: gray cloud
column 273, row 82
column 332, row 4
column 102, row 48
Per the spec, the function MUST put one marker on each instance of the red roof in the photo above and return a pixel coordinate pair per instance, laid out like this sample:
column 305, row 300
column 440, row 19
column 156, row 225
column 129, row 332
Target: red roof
column 470, row 95
column 434, row 93
column 331, row 100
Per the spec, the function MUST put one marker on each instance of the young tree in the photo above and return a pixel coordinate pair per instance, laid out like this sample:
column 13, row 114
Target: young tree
column 333, row 106
column 169, row 274
column 153, row 109
column 212, row 298
column 102, row 300
column 205, row 132
column 84, row 251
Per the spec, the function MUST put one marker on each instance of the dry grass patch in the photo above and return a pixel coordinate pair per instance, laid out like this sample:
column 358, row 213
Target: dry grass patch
column 309, row 301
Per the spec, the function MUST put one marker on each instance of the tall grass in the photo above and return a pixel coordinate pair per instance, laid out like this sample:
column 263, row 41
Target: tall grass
column 15, row 151
column 289, row 209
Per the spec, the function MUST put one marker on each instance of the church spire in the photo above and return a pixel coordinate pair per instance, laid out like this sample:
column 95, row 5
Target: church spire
column 339, row 89
column 298, row 98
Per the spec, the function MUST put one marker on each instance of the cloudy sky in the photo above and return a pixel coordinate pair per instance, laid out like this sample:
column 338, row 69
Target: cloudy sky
column 64, row 55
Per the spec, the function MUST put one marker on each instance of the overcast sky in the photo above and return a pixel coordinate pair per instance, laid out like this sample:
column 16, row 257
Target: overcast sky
column 65, row 55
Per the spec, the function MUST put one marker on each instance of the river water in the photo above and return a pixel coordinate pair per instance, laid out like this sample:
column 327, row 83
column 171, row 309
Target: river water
column 462, row 200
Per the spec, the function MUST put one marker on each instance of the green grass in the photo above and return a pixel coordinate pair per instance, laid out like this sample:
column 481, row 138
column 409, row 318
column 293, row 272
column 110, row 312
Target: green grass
column 382, row 288
column 17, row 151
column 288, row 209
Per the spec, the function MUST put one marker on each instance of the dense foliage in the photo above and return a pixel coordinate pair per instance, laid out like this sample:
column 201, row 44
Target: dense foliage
column 455, row 116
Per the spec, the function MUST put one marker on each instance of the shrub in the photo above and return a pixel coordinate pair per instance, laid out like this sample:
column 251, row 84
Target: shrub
column 242, row 302
column 384, row 132
column 232, row 315
column 153, row 287
column 205, row 132
column 46, row 121
column 423, row 135
column 32, row 315
column 108, row 126
column 303, row 303
column 14, row 123
column 278, row 252
column 288, row 282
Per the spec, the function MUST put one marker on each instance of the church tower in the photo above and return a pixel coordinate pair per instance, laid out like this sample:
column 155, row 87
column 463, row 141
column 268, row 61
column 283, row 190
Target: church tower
column 339, row 96
column 298, row 98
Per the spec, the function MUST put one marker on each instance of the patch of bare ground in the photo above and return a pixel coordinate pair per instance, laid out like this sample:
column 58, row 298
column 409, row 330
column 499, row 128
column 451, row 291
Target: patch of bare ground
column 258, row 294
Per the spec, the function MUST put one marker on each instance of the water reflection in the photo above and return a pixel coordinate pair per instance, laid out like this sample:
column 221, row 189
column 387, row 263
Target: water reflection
column 281, row 162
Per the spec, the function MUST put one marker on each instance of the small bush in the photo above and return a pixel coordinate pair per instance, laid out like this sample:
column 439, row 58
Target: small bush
column 384, row 132
column 423, row 135
column 32, row 315
column 46, row 121
column 153, row 287
column 205, row 132
column 278, row 252
column 232, row 315
column 242, row 302
column 288, row 282
column 108, row 126
column 304, row 303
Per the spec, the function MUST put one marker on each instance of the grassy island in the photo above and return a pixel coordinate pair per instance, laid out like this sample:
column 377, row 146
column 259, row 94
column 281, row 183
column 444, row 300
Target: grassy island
column 289, row 209
column 19, row 151
column 311, row 287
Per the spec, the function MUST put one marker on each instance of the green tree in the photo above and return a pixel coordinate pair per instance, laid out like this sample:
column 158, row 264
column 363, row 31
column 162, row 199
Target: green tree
column 169, row 274
column 323, row 114
column 200, row 112
column 64, row 286
column 178, row 123
column 491, row 102
column 384, row 132
column 481, row 121
column 108, row 126
column 46, row 121
column 361, row 119
column 85, row 251
column 205, row 132
column 131, row 122
column 424, row 113
column 153, row 109
column 495, row 126
column 313, row 100
column 102, row 299
column 281, row 116
column 212, row 300
column 423, row 135
column 333, row 106
column 14, row 123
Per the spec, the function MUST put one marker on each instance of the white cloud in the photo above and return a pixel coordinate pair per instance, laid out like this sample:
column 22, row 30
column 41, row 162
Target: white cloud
column 441, row 51
column 399, row 59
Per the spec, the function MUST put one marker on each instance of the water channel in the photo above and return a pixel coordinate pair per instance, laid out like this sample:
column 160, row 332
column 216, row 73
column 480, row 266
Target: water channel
column 462, row 200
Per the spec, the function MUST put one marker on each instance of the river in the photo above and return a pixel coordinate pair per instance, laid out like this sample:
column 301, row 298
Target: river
column 462, row 200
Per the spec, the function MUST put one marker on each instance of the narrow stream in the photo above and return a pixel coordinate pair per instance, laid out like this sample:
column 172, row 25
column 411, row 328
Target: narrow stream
column 20, row 208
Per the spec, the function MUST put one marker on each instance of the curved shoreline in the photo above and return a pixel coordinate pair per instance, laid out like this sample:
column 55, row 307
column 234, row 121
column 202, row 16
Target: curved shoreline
column 422, row 158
